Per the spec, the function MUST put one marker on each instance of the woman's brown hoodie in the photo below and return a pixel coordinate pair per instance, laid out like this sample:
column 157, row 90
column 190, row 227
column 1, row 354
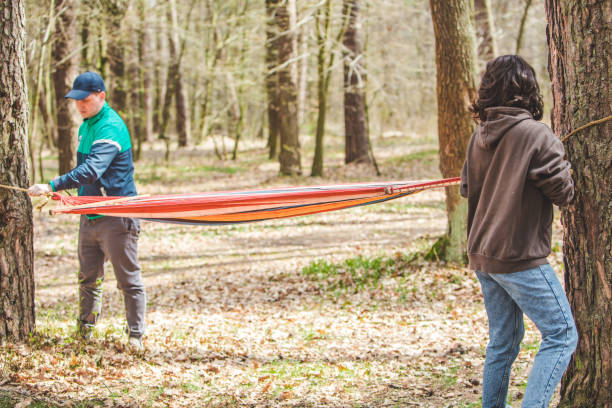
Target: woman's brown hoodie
column 513, row 174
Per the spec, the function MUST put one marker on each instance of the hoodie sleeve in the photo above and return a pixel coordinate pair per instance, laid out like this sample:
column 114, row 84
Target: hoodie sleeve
column 550, row 172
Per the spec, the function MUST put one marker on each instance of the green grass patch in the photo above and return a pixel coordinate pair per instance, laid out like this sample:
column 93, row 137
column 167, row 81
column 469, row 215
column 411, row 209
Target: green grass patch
column 6, row 400
column 357, row 273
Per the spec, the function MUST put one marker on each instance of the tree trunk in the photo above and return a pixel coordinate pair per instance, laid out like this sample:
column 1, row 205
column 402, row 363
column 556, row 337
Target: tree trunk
column 183, row 127
column 355, row 127
column 39, row 94
column 213, row 54
column 238, row 91
column 165, row 109
column 455, row 89
column 135, row 107
column 302, row 75
column 115, row 12
column 64, row 58
column 322, row 33
column 183, row 124
column 144, row 56
column 519, row 37
column 158, row 79
column 272, row 78
column 17, row 318
column 84, row 34
column 289, row 157
column 483, row 18
column 579, row 39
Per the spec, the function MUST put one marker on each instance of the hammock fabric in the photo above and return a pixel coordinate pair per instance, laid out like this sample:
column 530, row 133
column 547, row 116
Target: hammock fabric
column 229, row 207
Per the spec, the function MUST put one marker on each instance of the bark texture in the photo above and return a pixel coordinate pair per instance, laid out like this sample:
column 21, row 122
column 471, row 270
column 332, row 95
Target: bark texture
column 455, row 74
column 146, row 73
column 289, row 157
column 579, row 38
column 272, row 78
column 175, row 73
column 323, row 75
column 521, row 30
column 115, row 13
column 356, row 147
column 485, row 29
column 64, row 56
column 16, row 233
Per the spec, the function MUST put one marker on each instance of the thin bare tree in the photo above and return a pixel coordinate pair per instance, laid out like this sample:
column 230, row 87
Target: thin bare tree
column 356, row 148
column 485, row 31
column 271, row 81
column 65, row 61
column 290, row 155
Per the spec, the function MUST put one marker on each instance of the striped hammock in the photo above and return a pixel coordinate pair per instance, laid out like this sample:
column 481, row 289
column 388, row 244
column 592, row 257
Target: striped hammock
column 229, row 207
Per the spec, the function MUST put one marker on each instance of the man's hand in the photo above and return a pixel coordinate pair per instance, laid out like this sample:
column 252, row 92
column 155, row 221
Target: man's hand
column 39, row 189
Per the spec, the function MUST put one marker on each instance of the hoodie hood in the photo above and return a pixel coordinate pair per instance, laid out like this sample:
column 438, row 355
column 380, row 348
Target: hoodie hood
column 500, row 119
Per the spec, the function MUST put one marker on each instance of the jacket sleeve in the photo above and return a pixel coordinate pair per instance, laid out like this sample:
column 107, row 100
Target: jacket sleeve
column 550, row 172
column 100, row 157
column 463, row 188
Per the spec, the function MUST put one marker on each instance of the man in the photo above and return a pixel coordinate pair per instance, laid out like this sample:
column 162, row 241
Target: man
column 104, row 167
column 513, row 174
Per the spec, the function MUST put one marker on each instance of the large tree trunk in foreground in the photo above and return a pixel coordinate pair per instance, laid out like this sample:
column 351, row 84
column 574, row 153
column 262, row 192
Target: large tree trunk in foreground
column 289, row 157
column 64, row 58
column 16, row 234
column 356, row 148
column 579, row 37
column 455, row 89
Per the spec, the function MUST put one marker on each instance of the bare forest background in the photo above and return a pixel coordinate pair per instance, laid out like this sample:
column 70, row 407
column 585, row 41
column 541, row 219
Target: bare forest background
column 192, row 72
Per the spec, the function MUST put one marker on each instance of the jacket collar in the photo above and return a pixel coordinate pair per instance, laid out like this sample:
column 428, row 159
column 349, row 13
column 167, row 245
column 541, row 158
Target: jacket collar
column 99, row 115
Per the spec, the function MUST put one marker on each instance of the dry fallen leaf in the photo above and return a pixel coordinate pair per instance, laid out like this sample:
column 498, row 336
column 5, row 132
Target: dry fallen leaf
column 266, row 387
column 285, row 395
column 24, row 403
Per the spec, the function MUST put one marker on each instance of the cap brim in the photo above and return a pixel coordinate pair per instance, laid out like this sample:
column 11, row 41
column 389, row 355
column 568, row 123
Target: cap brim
column 77, row 94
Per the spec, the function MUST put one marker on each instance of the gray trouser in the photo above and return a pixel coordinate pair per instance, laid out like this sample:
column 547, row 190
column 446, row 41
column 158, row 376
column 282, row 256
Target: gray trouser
column 114, row 239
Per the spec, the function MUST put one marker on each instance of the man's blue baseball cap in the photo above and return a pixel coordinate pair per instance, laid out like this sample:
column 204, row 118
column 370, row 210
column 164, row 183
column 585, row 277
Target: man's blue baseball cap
column 85, row 84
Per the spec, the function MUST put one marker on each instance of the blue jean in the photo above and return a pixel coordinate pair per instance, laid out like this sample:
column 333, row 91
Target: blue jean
column 537, row 293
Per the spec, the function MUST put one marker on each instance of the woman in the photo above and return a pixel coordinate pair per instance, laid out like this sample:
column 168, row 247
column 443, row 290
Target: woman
column 514, row 172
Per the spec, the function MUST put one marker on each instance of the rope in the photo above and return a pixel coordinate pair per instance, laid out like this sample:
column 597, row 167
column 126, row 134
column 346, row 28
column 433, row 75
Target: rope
column 593, row 123
column 39, row 207
column 14, row 188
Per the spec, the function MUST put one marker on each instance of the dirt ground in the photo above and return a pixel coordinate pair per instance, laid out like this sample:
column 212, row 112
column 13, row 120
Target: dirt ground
column 235, row 319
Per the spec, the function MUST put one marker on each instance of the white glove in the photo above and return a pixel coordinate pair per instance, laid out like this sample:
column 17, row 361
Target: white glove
column 39, row 189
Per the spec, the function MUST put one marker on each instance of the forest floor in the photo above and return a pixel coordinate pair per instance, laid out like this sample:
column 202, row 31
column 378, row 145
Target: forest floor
column 331, row 310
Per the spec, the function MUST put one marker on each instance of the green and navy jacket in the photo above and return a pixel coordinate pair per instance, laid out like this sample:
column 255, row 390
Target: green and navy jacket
column 104, row 158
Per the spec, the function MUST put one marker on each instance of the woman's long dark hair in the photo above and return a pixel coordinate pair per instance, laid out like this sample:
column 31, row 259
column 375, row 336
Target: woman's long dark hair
column 508, row 81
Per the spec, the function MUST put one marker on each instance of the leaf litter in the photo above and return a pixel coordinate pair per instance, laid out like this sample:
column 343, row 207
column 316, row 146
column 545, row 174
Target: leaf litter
column 250, row 314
